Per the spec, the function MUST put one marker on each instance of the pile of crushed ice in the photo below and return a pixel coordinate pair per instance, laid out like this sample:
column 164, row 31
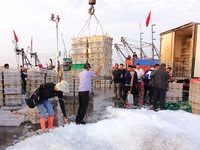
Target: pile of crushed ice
column 122, row 129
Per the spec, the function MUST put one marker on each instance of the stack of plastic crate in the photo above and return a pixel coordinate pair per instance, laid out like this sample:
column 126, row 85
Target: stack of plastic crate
column 12, row 87
column 175, row 92
column 100, row 53
column 73, row 86
column 79, row 50
column 96, row 82
column 33, row 115
column 1, row 89
column 67, row 75
column 194, row 95
column 72, row 77
column 96, row 49
column 51, row 76
column 35, row 77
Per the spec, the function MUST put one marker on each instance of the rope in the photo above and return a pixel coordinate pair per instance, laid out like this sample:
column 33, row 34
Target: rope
column 81, row 33
column 88, row 23
column 98, row 22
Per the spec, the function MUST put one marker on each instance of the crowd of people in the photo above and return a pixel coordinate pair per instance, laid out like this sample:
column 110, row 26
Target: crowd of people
column 154, row 82
column 126, row 80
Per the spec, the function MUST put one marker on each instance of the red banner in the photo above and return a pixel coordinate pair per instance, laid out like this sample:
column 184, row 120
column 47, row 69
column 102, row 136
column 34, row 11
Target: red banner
column 148, row 19
column 15, row 36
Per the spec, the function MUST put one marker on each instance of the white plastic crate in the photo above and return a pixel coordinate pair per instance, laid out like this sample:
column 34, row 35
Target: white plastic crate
column 97, row 49
column 13, row 96
column 12, row 77
column 79, row 56
column 12, row 91
column 79, row 45
column 99, row 38
column 79, row 51
column 35, row 70
column 33, row 81
column 8, row 86
column 9, row 82
column 97, row 44
column 79, row 61
column 11, row 71
column 11, row 120
column 13, row 101
column 79, row 40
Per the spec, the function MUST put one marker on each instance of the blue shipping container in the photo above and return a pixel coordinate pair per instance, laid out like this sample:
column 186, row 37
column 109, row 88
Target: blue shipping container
column 146, row 62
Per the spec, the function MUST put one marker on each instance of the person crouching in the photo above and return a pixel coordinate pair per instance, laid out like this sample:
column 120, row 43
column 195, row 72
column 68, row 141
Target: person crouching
column 46, row 91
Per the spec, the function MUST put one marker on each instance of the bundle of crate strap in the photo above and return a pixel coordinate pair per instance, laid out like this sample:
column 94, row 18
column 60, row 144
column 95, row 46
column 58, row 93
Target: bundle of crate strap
column 194, row 95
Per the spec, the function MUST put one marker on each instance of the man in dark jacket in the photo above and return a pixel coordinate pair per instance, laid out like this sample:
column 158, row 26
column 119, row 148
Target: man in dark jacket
column 122, row 79
column 130, row 75
column 160, row 78
column 46, row 91
column 116, row 78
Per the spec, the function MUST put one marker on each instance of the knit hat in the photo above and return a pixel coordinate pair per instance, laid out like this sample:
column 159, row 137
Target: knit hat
column 63, row 86
column 87, row 65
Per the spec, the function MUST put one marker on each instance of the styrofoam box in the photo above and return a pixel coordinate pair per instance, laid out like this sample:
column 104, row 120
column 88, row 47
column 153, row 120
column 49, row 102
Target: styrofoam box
column 11, row 120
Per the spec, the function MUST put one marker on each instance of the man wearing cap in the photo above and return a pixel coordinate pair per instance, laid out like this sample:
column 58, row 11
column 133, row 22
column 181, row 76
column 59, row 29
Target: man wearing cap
column 85, row 77
column 46, row 91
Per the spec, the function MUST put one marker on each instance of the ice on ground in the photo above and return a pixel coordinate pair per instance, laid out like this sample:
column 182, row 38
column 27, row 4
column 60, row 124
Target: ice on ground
column 123, row 129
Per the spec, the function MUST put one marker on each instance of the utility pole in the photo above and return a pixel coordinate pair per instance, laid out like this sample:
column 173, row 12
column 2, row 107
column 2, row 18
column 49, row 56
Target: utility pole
column 152, row 37
column 57, row 19
column 155, row 51
column 141, row 42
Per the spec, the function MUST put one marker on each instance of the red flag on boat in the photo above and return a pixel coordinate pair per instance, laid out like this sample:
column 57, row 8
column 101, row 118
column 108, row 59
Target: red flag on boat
column 148, row 19
column 15, row 36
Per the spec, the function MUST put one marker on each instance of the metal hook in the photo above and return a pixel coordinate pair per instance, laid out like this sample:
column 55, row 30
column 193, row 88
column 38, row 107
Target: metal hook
column 91, row 10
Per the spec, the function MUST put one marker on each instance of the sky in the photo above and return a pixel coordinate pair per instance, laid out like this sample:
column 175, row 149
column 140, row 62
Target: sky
column 123, row 129
column 31, row 18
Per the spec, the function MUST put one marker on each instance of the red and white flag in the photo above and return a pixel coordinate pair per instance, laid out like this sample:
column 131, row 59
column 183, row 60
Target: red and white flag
column 148, row 19
column 15, row 36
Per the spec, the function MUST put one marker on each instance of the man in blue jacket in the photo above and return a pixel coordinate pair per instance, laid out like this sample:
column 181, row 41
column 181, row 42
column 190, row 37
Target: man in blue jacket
column 128, row 76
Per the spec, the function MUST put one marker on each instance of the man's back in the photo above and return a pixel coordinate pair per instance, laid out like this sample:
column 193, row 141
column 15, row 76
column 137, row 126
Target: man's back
column 160, row 78
column 85, row 80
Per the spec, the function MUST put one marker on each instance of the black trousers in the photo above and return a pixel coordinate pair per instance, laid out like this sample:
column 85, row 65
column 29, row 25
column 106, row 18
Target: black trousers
column 159, row 94
column 149, row 90
column 134, row 92
column 83, row 105
column 122, row 90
